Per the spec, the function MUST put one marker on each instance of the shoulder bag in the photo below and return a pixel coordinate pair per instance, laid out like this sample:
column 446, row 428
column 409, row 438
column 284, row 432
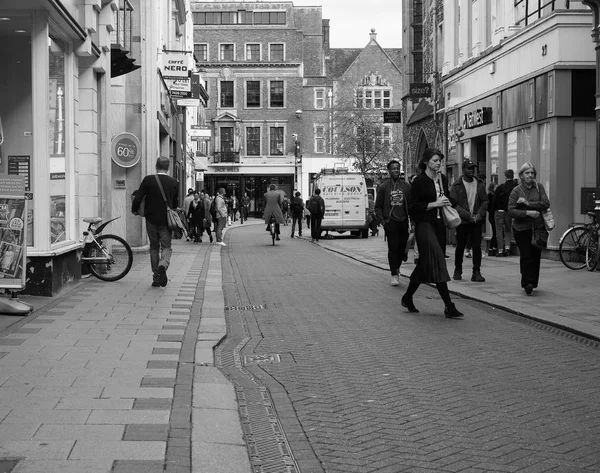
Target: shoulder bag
column 173, row 221
column 449, row 214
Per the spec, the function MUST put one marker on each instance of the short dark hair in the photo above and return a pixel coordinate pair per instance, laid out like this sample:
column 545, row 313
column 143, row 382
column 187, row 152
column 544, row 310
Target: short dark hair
column 317, row 191
column 427, row 155
column 393, row 161
column 163, row 163
column 297, row 194
column 509, row 174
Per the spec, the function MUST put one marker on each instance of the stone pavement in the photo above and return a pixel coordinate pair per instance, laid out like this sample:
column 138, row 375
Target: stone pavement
column 109, row 376
column 566, row 299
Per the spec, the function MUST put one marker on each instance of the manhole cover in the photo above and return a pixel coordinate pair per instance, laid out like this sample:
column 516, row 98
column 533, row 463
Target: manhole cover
column 245, row 307
column 6, row 466
column 268, row 358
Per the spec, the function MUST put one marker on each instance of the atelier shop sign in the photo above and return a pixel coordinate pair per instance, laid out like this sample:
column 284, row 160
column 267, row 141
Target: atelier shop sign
column 479, row 117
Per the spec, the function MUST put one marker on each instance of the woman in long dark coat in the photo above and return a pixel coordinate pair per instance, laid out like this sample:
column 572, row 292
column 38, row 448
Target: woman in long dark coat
column 273, row 201
column 428, row 195
column 196, row 217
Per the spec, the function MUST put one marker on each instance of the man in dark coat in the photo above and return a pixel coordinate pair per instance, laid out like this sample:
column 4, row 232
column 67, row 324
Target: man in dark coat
column 503, row 220
column 158, row 232
column 391, row 209
column 471, row 203
column 316, row 206
column 297, row 213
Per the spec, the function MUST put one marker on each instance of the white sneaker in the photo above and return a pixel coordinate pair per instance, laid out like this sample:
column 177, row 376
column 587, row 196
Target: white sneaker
column 222, row 243
column 395, row 281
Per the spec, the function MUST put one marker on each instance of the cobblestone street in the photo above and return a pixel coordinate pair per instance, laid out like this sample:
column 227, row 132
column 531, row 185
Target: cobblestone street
column 378, row 389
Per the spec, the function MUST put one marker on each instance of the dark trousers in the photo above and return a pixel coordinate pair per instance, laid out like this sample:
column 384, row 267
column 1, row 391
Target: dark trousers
column 308, row 221
column 397, row 236
column 298, row 219
column 160, row 247
column 466, row 231
column 530, row 258
column 315, row 227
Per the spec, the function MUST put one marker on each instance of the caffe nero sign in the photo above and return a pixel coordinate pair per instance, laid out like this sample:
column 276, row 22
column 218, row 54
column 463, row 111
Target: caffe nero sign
column 478, row 117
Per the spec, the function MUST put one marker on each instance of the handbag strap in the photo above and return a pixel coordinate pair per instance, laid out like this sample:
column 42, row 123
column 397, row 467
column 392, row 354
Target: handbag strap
column 162, row 191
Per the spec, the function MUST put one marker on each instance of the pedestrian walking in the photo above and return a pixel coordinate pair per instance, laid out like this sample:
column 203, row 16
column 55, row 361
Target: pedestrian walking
column 307, row 214
column 195, row 216
column 493, row 246
column 273, row 200
column 207, row 218
column 391, row 209
column 471, row 199
column 372, row 217
column 502, row 218
column 428, row 195
column 157, row 230
column 316, row 207
column 526, row 203
column 221, row 209
column 245, row 205
column 235, row 207
column 186, row 206
column 297, row 208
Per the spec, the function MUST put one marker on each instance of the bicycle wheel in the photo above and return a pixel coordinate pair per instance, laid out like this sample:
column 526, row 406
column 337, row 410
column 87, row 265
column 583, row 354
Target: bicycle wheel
column 591, row 251
column 118, row 254
column 572, row 247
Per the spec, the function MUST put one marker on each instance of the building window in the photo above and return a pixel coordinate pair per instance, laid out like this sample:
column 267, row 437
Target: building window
column 319, row 138
column 253, row 141
column 253, row 94
column 375, row 97
column 241, row 17
column 276, row 141
column 276, row 52
column 227, row 93
column 253, row 52
column 494, row 155
column 418, row 66
column 269, row 18
column 518, row 148
column 276, row 94
column 226, row 52
column 226, row 139
column 201, row 51
column 319, row 99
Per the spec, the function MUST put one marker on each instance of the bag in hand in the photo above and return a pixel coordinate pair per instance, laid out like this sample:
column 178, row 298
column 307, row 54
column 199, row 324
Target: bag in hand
column 548, row 220
column 539, row 238
column 141, row 211
column 451, row 217
column 173, row 221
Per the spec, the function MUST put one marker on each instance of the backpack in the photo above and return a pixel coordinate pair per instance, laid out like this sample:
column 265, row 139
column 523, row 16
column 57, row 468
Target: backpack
column 285, row 205
column 313, row 206
column 213, row 208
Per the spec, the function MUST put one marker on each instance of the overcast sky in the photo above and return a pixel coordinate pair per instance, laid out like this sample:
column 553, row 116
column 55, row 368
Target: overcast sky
column 351, row 21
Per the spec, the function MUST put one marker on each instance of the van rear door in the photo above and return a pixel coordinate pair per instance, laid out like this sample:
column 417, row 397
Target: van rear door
column 354, row 195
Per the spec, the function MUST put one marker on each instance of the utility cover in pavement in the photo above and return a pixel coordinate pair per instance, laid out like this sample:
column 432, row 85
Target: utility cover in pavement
column 6, row 466
column 268, row 358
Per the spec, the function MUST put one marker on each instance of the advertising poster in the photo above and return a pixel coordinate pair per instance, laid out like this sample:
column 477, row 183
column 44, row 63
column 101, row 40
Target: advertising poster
column 13, row 230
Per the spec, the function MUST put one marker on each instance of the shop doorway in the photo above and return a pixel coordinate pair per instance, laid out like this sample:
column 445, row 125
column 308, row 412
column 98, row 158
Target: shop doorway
column 479, row 156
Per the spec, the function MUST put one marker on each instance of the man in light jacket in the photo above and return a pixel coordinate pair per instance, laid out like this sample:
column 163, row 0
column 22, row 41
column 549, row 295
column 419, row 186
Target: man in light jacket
column 221, row 207
column 391, row 209
column 472, row 202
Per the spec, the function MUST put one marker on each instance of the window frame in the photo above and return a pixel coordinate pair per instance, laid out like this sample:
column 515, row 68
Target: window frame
column 318, row 90
column 283, row 52
column 205, row 59
column 271, row 128
column 366, row 98
column 318, row 139
column 221, row 50
column 246, row 45
column 246, row 104
column 274, row 17
column 232, row 141
column 246, row 139
column 221, row 97
column 283, row 95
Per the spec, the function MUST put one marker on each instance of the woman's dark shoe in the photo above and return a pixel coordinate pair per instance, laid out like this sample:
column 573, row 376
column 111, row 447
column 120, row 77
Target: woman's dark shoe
column 408, row 303
column 528, row 289
column 452, row 312
column 277, row 238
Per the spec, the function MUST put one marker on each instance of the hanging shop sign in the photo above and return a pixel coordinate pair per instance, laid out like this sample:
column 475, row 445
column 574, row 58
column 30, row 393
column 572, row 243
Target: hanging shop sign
column 419, row 89
column 177, row 71
column 200, row 132
column 126, row 150
column 13, row 231
column 478, row 117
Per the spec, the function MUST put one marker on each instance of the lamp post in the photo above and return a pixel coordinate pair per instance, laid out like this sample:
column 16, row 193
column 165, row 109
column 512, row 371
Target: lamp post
column 330, row 97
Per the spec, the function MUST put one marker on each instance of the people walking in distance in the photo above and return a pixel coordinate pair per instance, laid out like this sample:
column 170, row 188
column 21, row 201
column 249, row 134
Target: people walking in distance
column 502, row 218
column 391, row 209
column 471, row 203
column 273, row 200
column 526, row 203
column 221, row 208
column 428, row 194
column 157, row 230
column 316, row 207
column 371, row 217
column 245, row 206
column 411, row 235
column 186, row 206
column 207, row 218
column 307, row 214
column 195, row 216
column 493, row 246
column 297, row 208
column 235, row 207
column 285, row 208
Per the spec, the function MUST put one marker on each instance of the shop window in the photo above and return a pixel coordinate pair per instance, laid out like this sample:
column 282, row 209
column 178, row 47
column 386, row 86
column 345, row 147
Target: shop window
column 494, row 154
column 518, row 148
column 544, row 146
column 57, row 139
column 276, row 141
column 253, row 141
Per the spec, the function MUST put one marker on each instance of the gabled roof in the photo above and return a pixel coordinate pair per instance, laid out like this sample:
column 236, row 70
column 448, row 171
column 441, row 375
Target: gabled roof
column 423, row 110
column 342, row 59
column 226, row 116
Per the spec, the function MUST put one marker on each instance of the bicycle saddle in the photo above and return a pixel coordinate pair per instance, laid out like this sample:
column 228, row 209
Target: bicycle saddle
column 92, row 220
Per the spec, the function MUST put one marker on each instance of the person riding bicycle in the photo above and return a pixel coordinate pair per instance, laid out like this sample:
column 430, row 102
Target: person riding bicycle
column 273, row 209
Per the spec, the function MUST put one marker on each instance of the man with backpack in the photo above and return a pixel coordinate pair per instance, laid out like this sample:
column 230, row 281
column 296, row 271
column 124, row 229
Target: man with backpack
column 316, row 206
column 297, row 213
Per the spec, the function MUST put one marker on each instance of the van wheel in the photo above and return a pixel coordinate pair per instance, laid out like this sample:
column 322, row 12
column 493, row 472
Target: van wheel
column 364, row 233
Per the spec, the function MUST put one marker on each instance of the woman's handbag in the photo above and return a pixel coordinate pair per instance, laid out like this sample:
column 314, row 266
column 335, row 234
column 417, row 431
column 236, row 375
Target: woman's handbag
column 451, row 217
column 173, row 221
column 539, row 238
column 548, row 219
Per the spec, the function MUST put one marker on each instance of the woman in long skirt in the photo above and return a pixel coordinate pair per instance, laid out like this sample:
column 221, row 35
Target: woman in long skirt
column 429, row 193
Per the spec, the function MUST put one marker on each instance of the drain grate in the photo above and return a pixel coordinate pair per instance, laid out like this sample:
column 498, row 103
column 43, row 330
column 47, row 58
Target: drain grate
column 6, row 466
column 266, row 358
column 245, row 307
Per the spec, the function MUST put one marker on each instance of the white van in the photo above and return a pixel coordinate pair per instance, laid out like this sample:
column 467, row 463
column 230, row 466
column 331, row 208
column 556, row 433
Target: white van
column 346, row 201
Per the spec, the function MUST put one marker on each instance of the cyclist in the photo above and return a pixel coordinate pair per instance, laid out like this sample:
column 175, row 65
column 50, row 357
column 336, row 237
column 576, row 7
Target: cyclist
column 273, row 202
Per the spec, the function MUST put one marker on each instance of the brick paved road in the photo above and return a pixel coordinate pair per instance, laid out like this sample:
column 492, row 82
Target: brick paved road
column 377, row 389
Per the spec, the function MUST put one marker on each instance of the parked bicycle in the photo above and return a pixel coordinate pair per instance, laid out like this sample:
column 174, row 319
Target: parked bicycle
column 578, row 246
column 108, row 257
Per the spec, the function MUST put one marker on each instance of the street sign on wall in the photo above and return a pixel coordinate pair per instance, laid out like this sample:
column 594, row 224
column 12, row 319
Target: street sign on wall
column 392, row 116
